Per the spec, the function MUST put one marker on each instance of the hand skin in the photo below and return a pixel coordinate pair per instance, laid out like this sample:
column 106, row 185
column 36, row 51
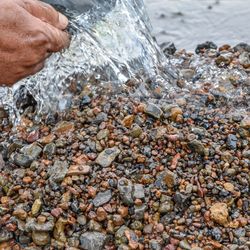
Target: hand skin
column 30, row 31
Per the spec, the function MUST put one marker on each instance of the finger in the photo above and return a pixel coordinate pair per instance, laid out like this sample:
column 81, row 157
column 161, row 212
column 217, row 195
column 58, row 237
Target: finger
column 57, row 39
column 46, row 13
column 33, row 70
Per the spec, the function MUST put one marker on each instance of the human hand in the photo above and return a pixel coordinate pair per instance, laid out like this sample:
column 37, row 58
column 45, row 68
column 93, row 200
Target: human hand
column 30, row 31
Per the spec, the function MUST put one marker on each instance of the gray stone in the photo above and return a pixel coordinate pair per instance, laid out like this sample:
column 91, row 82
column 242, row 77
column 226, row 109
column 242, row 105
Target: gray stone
column 244, row 59
column 139, row 212
column 232, row 141
column 102, row 198
column 185, row 245
column 58, row 171
column 5, row 235
column 153, row 110
column 139, row 191
column 125, row 188
column 22, row 160
column 93, row 241
column 120, row 237
column 32, row 150
column 32, row 225
column 82, row 220
column 49, row 149
column 154, row 245
column 246, row 154
column 106, row 157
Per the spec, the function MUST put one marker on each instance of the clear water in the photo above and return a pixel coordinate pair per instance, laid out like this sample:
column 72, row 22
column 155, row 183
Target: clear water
column 110, row 43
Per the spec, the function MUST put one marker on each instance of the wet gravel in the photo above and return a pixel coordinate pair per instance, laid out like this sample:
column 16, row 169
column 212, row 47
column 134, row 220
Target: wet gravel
column 119, row 172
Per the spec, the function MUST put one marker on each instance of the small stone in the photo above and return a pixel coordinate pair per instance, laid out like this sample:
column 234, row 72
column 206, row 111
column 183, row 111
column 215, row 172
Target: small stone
column 136, row 131
column 64, row 127
column 102, row 134
column 78, row 170
column 241, row 47
column 205, row 46
column 59, row 230
column 32, row 151
column 56, row 212
column 5, row 235
column 197, row 147
column 138, row 191
column 227, row 157
column 185, row 245
column 95, row 226
column 40, row 238
column 50, row 149
column 219, row 213
column 232, row 141
column 188, row 74
column 128, row 121
column 168, row 48
column 93, row 240
column 154, row 245
column 58, row 171
column 36, row 207
column 101, row 117
column 246, row 154
column 125, row 188
column 101, row 214
column 82, row 220
column 139, row 212
column 120, row 237
column 20, row 214
column 102, row 198
column 245, row 123
column 244, row 59
column 22, row 160
column 106, row 157
column 33, row 136
column 153, row 110
column 170, row 179
column 229, row 187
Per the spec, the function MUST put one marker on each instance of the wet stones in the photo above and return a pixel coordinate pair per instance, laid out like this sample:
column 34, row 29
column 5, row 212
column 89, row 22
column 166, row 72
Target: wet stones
column 33, row 151
column 153, row 110
column 205, row 46
column 58, row 171
column 106, row 157
column 219, row 213
column 93, row 240
column 102, row 198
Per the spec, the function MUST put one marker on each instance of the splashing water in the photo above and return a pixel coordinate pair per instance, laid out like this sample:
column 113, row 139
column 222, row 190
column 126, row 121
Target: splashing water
column 110, row 43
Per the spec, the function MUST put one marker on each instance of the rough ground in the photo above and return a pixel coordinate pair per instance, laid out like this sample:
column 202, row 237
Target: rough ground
column 124, row 173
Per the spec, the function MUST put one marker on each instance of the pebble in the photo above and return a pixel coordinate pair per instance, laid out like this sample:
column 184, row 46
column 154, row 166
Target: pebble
column 153, row 110
column 78, row 170
column 106, row 157
column 36, row 207
column 93, row 240
column 232, row 141
column 64, row 127
column 102, row 198
column 32, row 150
column 40, row 238
column 197, row 146
column 138, row 191
column 22, row 160
column 219, row 213
column 58, row 171
column 125, row 188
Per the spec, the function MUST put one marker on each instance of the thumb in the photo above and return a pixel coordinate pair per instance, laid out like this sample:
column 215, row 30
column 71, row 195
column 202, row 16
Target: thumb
column 46, row 13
